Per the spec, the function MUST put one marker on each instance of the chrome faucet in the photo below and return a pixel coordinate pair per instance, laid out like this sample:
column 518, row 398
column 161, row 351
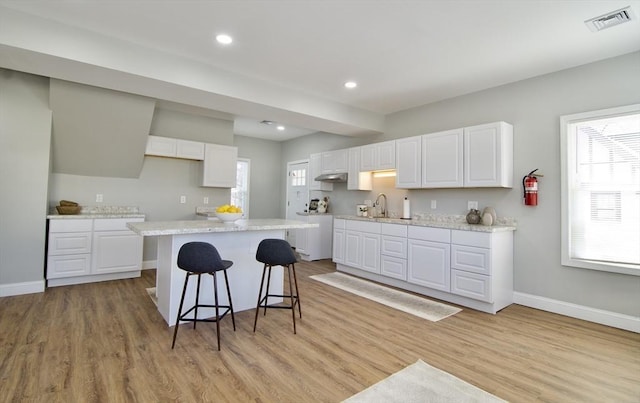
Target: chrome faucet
column 383, row 210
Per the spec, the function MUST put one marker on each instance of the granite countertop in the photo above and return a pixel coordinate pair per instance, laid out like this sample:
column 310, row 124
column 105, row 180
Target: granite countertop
column 155, row 228
column 440, row 221
column 99, row 212
column 308, row 214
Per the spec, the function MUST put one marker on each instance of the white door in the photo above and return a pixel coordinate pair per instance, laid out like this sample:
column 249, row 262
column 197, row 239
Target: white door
column 297, row 193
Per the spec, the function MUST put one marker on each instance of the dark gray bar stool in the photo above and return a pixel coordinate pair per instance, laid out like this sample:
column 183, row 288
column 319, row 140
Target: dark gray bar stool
column 198, row 258
column 277, row 252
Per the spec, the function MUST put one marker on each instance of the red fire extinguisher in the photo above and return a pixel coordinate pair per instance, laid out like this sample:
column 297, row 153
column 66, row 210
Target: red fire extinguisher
column 530, row 185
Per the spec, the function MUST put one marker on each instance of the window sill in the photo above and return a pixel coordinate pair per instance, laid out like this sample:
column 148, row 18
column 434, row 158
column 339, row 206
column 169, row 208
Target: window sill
column 620, row 268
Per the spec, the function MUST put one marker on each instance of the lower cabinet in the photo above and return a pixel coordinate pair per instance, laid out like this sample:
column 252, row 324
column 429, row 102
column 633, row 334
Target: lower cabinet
column 469, row 268
column 90, row 250
column 315, row 243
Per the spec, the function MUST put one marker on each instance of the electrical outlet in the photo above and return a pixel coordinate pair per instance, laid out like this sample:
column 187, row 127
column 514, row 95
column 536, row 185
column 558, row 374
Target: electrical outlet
column 183, row 199
column 472, row 205
column 433, row 204
column 206, row 200
column 99, row 198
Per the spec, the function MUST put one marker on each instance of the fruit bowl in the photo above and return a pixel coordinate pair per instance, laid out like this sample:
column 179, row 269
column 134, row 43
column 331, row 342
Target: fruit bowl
column 228, row 217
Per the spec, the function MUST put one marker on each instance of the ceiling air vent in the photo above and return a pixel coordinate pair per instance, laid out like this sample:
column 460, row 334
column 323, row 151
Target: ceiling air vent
column 610, row 19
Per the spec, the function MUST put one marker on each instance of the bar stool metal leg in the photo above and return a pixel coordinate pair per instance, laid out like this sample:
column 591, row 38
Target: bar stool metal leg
column 175, row 330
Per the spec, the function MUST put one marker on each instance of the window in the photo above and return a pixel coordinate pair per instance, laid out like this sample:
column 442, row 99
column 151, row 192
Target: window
column 298, row 177
column 601, row 190
column 240, row 193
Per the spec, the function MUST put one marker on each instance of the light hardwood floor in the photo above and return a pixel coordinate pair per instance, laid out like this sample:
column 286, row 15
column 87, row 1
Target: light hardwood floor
column 106, row 342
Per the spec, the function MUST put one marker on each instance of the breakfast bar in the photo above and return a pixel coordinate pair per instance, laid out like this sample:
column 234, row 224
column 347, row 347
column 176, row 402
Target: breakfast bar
column 235, row 241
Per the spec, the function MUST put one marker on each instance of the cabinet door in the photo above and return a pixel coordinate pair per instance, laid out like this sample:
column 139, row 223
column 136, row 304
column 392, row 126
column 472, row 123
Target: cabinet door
column 219, row 166
column 471, row 285
column 429, row 264
column 386, row 155
column 192, row 150
column 357, row 180
column 315, row 169
column 161, row 146
column 302, row 240
column 442, row 159
column 352, row 251
column 393, row 267
column 409, row 162
column 116, row 251
column 335, row 161
column 368, row 158
column 370, row 247
column 488, row 155
column 338, row 245
column 68, row 243
column 61, row 266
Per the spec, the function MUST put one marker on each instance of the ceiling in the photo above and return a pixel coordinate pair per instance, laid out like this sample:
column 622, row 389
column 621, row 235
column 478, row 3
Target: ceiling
column 290, row 58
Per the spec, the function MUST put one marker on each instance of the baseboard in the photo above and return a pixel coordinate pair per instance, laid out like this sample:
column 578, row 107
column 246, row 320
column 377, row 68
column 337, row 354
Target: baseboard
column 608, row 318
column 30, row 287
column 149, row 264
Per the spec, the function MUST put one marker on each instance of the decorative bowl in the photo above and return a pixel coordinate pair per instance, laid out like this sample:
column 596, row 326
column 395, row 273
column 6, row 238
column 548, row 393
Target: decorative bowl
column 228, row 217
column 68, row 210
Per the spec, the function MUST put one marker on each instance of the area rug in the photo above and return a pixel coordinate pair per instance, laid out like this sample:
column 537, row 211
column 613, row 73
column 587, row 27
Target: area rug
column 420, row 382
column 152, row 294
column 403, row 301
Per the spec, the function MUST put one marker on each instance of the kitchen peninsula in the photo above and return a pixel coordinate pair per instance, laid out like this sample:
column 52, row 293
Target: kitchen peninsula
column 235, row 241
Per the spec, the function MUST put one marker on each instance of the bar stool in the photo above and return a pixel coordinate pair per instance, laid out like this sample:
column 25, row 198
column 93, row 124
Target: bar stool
column 198, row 258
column 277, row 252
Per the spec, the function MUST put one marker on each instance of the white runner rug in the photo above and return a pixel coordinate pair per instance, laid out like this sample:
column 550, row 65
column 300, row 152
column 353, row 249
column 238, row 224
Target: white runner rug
column 420, row 382
column 403, row 301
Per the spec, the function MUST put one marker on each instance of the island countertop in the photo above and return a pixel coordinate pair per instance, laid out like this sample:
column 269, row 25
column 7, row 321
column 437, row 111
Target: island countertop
column 155, row 228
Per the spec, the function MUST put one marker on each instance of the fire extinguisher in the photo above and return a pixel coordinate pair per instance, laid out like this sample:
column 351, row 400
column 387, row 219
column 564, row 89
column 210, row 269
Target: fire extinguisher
column 530, row 185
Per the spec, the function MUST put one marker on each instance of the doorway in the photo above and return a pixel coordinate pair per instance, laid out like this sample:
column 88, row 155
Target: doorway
column 297, row 193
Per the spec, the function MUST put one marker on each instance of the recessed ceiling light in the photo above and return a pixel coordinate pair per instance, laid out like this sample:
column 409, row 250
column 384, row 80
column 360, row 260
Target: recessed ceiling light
column 281, row 128
column 224, row 39
column 350, row 84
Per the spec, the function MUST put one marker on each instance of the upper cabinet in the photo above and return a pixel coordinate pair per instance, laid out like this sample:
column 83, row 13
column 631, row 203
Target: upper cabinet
column 219, row 166
column 174, row 148
column 335, row 161
column 315, row 169
column 476, row 156
column 378, row 156
column 488, row 155
column 357, row 180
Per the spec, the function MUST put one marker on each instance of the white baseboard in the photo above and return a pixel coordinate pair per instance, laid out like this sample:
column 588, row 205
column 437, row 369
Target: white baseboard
column 608, row 318
column 30, row 287
column 149, row 264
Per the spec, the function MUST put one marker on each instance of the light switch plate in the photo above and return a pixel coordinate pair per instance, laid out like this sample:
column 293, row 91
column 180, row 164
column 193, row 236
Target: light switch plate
column 472, row 205
column 433, row 204
column 183, row 199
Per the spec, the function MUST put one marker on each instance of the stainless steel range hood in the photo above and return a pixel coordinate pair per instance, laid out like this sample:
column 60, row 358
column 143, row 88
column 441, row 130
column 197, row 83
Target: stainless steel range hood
column 334, row 177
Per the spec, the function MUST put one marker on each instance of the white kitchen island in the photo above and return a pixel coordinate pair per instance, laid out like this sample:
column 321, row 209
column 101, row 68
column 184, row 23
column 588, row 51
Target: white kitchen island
column 237, row 242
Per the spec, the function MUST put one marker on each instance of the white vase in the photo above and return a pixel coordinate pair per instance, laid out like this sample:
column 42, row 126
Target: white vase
column 487, row 219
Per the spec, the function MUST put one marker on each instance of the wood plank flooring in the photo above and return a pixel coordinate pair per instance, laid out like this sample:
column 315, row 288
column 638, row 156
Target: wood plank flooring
column 106, row 342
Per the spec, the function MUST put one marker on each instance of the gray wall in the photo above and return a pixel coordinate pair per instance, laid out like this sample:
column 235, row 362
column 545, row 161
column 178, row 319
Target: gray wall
column 25, row 140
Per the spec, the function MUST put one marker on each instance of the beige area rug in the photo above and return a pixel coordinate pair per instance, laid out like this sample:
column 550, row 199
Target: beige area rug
column 152, row 294
column 420, row 382
column 403, row 301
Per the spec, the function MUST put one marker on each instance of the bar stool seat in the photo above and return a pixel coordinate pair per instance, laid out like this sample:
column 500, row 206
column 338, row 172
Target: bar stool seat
column 198, row 258
column 277, row 252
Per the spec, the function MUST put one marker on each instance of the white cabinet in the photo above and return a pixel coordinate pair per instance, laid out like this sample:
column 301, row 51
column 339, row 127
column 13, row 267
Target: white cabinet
column 115, row 247
column 429, row 257
column 393, row 251
column 409, row 162
column 488, row 155
column 88, row 250
column 442, row 159
column 338, row 241
column 315, row 243
column 378, row 156
column 315, row 169
column 362, row 245
column 335, row 161
column 219, row 166
column 357, row 180
column 174, row 148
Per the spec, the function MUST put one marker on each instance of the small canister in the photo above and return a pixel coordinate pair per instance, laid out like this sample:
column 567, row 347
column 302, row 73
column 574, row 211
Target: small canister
column 361, row 210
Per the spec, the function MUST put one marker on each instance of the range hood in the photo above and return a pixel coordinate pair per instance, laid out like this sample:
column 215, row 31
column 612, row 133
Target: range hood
column 335, row 177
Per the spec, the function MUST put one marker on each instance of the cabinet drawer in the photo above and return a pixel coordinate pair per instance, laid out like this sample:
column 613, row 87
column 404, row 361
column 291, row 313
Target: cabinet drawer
column 469, row 258
column 68, row 243
column 114, row 224
column 471, row 285
column 471, row 238
column 363, row 226
column 393, row 229
column 430, row 234
column 394, row 246
column 70, row 225
column 68, row 265
column 393, row 267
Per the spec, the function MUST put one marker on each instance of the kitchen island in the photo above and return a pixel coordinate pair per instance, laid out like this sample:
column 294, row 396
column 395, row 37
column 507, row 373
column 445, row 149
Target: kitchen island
column 237, row 242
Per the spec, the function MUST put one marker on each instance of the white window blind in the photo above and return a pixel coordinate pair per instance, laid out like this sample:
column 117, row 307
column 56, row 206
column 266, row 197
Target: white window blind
column 601, row 190
column 240, row 193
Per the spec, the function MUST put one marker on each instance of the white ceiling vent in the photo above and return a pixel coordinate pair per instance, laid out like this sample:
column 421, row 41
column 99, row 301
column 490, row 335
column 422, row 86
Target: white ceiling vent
column 610, row 19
